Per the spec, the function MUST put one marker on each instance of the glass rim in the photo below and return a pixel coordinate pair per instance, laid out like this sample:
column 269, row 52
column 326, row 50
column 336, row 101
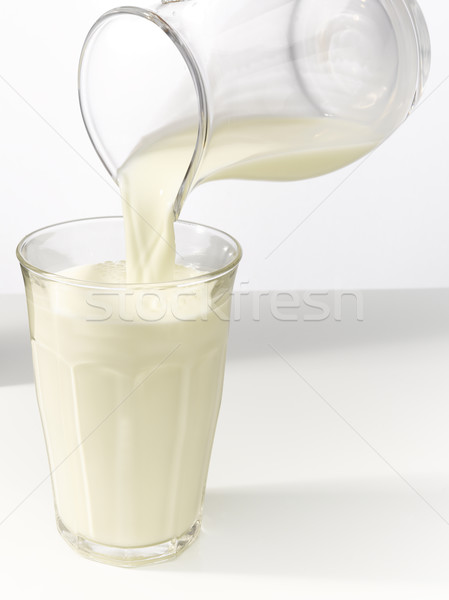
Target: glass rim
column 57, row 277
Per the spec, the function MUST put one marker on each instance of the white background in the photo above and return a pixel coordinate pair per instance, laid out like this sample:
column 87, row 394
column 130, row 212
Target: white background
column 384, row 227
column 332, row 435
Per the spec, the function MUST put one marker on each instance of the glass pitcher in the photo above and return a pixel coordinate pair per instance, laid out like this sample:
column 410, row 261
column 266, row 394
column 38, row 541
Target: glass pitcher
column 273, row 89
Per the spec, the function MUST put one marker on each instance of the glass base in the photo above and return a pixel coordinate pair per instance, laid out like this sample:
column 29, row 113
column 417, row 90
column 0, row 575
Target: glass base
column 129, row 557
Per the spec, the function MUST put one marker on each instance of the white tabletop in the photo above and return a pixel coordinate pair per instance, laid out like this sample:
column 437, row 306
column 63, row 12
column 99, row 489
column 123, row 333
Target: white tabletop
column 330, row 471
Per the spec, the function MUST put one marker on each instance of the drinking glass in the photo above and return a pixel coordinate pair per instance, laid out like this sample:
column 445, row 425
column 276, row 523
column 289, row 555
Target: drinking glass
column 129, row 383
